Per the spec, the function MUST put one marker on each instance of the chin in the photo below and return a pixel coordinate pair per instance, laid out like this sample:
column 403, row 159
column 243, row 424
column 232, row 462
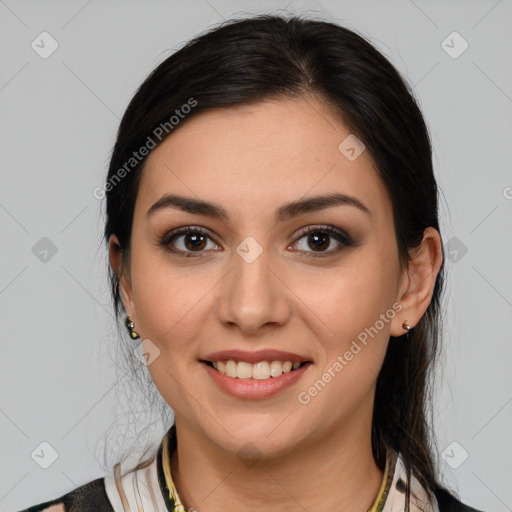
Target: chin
column 253, row 436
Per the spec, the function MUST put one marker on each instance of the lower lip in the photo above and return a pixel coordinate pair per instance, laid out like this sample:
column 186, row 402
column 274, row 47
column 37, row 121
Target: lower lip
column 255, row 389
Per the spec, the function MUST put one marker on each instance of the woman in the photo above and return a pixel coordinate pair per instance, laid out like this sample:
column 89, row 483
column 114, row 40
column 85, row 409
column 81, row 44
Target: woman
column 272, row 224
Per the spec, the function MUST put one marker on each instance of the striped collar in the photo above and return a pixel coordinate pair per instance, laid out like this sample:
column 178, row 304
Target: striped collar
column 150, row 487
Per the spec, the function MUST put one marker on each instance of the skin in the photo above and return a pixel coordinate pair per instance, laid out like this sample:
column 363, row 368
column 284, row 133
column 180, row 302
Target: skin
column 252, row 159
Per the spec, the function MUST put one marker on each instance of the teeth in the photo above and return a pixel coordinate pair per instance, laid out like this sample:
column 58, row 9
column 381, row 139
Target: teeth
column 244, row 370
column 231, row 368
column 276, row 368
column 260, row 371
column 287, row 366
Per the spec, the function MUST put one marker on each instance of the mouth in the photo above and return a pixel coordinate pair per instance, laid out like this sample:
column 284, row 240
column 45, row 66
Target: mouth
column 255, row 375
column 261, row 370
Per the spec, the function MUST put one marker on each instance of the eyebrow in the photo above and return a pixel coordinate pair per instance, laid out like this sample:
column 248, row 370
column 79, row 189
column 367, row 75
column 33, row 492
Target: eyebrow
column 285, row 212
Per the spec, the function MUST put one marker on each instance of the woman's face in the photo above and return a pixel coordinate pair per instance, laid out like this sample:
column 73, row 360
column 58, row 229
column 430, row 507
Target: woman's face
column 253, row 282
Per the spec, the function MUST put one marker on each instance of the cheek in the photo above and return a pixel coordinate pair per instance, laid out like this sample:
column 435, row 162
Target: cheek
column 169, row 300
column 347, row 300
column 170, row 305
column 351, row 314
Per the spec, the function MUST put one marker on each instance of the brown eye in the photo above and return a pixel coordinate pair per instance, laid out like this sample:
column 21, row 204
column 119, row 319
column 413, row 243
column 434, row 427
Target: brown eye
column 320, row 238
column 318, row 241
column 187, row 241
column 194, row 241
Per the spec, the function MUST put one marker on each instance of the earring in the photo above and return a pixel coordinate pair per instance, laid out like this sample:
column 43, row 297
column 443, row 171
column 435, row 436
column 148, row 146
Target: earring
column 130, row 325
column 408, row 329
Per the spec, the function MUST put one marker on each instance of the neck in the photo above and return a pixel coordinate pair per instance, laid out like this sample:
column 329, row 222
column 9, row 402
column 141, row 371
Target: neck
column 312, row 477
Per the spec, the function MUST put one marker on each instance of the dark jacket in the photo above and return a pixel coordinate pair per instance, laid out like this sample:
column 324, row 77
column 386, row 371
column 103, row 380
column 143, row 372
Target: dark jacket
column 449, row 503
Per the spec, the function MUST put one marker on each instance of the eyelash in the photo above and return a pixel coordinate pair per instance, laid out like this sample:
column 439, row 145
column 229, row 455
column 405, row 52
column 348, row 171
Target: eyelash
column 344, row 239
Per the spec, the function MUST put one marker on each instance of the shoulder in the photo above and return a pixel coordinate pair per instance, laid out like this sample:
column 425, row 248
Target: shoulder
column 449, row 503
column 90, row 497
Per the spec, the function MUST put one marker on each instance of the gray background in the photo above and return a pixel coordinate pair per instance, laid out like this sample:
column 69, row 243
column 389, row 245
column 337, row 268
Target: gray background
column 59, row 117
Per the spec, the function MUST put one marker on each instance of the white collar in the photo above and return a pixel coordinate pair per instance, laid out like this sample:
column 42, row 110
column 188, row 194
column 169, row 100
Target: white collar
column 395, row 499
column 136, row 491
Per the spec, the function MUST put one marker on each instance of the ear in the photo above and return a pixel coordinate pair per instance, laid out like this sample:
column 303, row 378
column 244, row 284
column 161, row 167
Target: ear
column 115, row 255
column 418, row 281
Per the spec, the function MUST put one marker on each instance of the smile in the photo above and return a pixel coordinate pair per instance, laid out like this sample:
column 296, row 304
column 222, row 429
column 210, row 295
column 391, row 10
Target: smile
column 260, row 383
column 260, row 371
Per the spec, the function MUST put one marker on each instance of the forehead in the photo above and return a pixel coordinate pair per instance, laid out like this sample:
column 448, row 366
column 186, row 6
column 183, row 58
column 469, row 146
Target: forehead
column 252, row 158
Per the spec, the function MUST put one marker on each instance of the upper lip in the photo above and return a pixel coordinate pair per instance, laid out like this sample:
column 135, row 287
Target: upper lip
column 255, row 357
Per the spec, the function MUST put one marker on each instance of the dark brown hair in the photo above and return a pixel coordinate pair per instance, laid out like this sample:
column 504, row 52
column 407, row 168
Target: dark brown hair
column 270, row 56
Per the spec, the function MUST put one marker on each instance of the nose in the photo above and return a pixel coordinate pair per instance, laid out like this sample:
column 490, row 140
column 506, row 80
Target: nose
column 254, row 296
